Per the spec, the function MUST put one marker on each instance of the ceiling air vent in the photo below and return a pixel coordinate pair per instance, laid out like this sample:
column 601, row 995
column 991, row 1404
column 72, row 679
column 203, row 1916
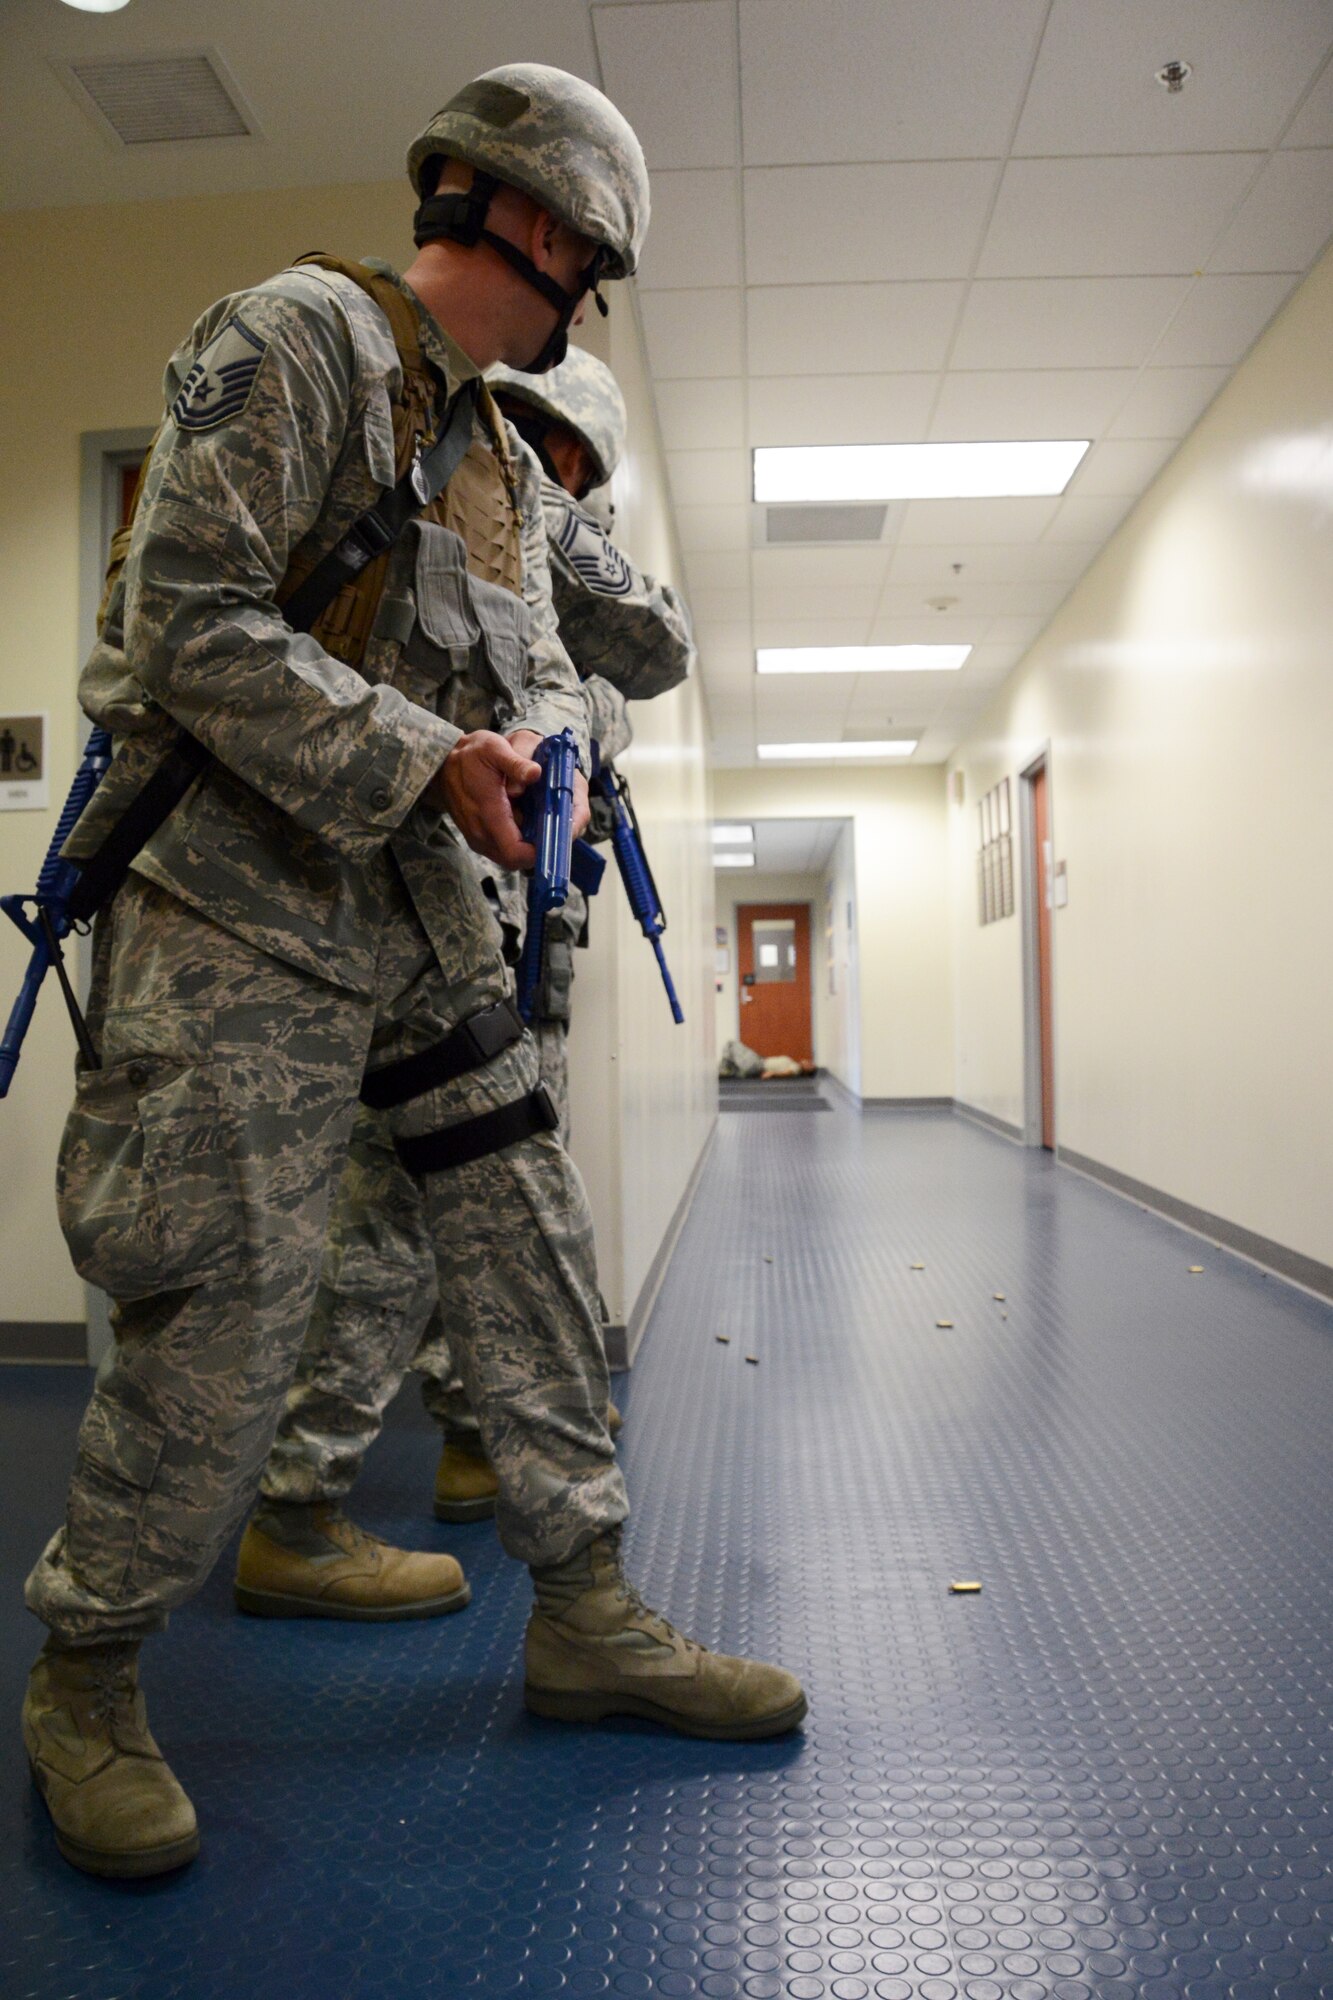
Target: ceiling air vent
column 825, row 524
column 152, row 100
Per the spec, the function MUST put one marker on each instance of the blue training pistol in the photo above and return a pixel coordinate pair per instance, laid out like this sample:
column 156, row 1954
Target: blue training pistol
column 637, row 876
column 548, row 823
column 51, row 922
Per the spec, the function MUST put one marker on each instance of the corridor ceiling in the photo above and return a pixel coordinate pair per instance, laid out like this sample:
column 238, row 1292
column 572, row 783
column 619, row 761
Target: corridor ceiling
column 874, row 221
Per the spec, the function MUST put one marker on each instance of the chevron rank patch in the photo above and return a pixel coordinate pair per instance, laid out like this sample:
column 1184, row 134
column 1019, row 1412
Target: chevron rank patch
column 217, row 388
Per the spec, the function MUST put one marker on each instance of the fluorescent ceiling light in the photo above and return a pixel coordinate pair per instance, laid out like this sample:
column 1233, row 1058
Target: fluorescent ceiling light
column 733, row 836
column 98, row 6
column 859, row 659
column 902, row 748
column 733, row 861
column 824, row 472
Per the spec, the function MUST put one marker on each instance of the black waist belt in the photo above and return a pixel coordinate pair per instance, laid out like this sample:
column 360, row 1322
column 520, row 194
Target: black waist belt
column 474, row 1138
column 472, row 1043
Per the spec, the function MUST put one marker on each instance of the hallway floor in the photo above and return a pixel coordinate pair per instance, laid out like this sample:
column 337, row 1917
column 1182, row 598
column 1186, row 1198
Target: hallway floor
column 1109, row 1774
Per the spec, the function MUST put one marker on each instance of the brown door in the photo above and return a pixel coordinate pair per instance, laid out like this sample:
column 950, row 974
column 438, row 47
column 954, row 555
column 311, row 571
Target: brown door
column 773, row 959
column 1041, row 828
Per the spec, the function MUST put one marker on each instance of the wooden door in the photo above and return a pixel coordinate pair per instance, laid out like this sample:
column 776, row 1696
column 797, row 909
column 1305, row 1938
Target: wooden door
column 773, row 961
column 1045, row 871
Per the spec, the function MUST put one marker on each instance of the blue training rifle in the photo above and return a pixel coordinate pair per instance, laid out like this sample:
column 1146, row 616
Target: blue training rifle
column 51, row 922
column 548, row 823
column 637, row 876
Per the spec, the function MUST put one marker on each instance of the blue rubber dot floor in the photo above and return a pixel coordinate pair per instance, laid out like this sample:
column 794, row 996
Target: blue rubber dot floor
column 1108, row 1776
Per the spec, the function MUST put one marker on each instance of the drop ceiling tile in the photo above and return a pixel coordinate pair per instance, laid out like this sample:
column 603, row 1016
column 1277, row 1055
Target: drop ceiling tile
column 1313, row 123
column 701, row 415
column 927, row 628
column 1029, row 403
column 709, row 478
column 776, row 605
column 694, row 238
column 1167, row 402
column 883, row 79
column 1021, row 520
column 852, row 329
column 931, row 564
column 643, row 50
column 976, row 602
column 990, row 664
column 1009, row 631
column 834, row 225
column 713, row 527
column 819, row 569
column 1112, row 216
column 693, row 333
column 1094, row 90
column 1122, row 466
column 1089, row 517
column 716, row 569
column 1064, row 322
column 810, row 632
column 840, row 409
column 715, row 608
column 1285, row 222
column 1220, row 319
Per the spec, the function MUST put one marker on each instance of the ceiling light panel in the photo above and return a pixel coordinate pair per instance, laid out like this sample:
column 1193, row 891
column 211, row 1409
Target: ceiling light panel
column 733, row 861
column 733, row 836
column 861, row 472
column 860, row 659
column 841, row 752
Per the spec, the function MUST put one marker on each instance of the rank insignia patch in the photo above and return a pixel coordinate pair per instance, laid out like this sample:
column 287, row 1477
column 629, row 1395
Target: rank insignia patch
column 218, row 386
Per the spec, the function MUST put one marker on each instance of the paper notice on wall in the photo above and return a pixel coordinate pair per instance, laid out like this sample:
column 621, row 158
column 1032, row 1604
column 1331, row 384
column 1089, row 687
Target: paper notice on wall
column 25, row 782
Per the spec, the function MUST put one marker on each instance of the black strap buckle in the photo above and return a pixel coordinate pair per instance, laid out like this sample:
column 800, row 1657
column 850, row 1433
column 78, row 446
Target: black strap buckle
column 470, row 1045
column 491, row 1031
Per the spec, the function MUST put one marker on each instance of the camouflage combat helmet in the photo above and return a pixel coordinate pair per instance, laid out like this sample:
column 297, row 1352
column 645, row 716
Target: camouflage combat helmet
column 559, row 141
column 583, row 395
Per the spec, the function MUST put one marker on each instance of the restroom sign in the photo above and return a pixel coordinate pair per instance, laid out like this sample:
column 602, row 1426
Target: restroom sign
column 25, row 781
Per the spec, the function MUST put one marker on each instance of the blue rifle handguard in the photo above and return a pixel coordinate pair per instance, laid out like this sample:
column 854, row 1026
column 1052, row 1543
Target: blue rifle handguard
column 50, row 900
column 637, row 876
column 548, row 823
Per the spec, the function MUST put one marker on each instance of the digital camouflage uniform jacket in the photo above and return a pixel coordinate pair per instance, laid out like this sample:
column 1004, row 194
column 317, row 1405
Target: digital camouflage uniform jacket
column 628, row 635
column 319, row 765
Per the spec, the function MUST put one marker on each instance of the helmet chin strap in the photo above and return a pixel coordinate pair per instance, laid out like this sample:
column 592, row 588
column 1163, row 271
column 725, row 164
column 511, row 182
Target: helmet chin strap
column 461, row 217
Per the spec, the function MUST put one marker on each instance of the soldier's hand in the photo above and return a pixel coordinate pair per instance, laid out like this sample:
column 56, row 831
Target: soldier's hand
column 477, row 785
column 525, row 741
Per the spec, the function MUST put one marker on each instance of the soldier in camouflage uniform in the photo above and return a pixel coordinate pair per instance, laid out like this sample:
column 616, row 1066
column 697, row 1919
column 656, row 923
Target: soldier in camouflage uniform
column 378, row 1284
column 306, row 917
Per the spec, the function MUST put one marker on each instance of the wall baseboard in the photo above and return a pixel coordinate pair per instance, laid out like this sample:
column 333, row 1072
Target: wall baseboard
column 1307, row 1272
column 620, row 1352
column 907, row 1103
column 58, row 1343
column 989, row 1120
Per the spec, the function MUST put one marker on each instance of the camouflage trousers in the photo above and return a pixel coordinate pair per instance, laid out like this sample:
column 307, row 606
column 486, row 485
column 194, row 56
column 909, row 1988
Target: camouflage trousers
column 378, row 1312
column 196, row 1175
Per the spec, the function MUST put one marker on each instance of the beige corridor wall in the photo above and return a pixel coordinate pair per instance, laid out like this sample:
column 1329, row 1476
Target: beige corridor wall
column 106, row 293
column 899, row 868
column 643, row 1089
column 1186, row 692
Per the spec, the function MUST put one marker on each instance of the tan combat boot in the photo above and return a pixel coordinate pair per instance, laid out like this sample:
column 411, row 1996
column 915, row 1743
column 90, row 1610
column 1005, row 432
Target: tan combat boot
column 465, row 1481
column 312, row 1562
column 595, row 1649
column 116, row 1807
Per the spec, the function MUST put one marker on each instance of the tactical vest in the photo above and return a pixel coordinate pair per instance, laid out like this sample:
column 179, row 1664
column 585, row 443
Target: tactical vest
column 479, row 505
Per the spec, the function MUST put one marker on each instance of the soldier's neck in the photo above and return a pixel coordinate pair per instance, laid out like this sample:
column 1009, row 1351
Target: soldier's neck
column 474, row 306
